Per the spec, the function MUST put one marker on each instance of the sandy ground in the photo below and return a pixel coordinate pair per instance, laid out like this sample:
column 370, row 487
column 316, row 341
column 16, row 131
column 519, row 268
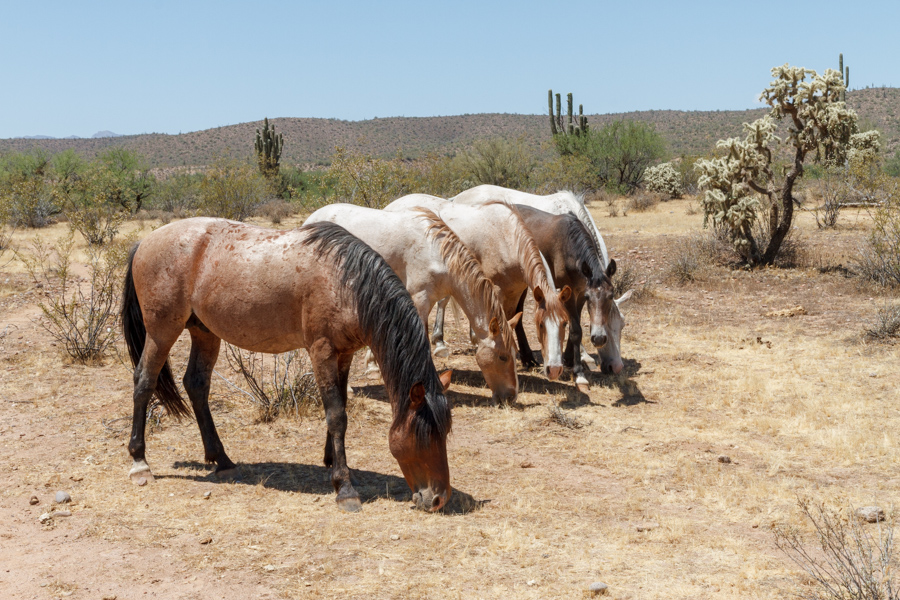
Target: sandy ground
column 635, row 495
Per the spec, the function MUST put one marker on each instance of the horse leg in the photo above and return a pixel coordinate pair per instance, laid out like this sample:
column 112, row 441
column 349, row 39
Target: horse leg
column 332, row 373
column 204, row 352
column 153, row 358
column 372, row 368
column 437, row 334
column 572, row 356
column 525, row 352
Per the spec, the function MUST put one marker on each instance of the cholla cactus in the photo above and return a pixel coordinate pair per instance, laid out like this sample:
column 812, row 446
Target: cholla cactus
column 741, row 184
column 665, row 179
column 864, row 147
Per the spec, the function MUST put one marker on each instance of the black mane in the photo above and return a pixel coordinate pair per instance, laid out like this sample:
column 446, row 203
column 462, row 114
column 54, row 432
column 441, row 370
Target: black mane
column 585, row 250
column 390, row 323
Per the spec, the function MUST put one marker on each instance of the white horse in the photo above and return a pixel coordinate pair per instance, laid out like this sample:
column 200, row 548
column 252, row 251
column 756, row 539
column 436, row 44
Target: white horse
column 511, row 259
column 562, row 203
column 433, row 263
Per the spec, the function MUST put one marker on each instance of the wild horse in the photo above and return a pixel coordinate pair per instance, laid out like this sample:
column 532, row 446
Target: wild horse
column 317, row 288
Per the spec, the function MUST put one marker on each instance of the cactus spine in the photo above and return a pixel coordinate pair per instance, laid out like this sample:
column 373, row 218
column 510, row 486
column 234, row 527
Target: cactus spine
column 572, row 125
column 268, row 149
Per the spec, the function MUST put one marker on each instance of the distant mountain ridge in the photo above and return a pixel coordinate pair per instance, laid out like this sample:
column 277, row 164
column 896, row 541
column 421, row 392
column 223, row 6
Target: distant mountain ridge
column 312, row 141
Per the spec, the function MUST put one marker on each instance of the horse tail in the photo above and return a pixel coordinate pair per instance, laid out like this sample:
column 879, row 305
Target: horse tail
column 135, row 334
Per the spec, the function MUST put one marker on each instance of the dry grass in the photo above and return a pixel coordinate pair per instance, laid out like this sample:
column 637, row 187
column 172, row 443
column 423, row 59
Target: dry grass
column 636, row 497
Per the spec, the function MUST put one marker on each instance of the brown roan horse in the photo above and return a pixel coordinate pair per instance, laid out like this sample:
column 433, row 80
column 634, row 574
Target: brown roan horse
column 317, row 288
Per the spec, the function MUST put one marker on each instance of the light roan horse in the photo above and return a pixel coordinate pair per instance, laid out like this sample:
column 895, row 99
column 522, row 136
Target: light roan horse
column 432, row 262
column 317, row 288
column 558, row 204
column 495, row 234
column 572, row 255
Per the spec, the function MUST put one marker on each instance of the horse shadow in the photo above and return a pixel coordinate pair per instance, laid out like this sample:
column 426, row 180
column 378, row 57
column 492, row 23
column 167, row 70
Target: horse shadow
column 631, row 393
column 316, row 480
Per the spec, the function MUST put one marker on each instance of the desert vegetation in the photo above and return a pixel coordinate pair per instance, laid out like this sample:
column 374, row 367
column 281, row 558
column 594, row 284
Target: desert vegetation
column 749, row 383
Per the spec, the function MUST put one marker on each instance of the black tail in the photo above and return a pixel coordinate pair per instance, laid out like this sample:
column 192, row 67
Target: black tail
column 135, row 336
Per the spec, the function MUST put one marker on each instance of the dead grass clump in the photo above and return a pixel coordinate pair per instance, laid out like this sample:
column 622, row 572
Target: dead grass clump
column 628, row 278
column 279, row 384
column 886, row 326
column 276, row 211
column 642, row 201
column 556, row 414
column 846, row 561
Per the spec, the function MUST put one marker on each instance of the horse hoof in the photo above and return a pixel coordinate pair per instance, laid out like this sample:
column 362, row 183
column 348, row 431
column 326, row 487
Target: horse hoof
column 232, row 474
column 442, row 351
column 583, row 387
column 141, row 477
column 588, row 361
column 349, row 504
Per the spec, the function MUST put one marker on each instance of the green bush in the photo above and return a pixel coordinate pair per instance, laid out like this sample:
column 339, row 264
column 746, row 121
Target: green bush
column 496, row 162
column 232, row 189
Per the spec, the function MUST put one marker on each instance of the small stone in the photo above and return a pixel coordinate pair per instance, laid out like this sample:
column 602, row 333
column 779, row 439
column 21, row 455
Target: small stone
column 598, row 588
column 34, row 500
column 725, row 459
column 873, row 374
column 395, row 537
column 141, row 481
column 269, row 568
column 647, row 526
column 207, row 539
column 870, row 514
column 206, row 495
column 530, row 582
column 110, row 597
column 63, row 497
column 63, row 513
column 45, row 517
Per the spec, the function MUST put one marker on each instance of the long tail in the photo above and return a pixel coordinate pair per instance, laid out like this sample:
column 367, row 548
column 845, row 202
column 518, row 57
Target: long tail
column 135, row 336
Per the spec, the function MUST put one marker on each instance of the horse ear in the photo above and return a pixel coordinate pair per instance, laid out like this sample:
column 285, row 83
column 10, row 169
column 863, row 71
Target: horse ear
column 586, row 270
column 494, row 327
column 565, row 294
column 515, row 320
column 416, row 396
column 611, row 268
column 538, row 295
column 625, row 298
column 445, row 378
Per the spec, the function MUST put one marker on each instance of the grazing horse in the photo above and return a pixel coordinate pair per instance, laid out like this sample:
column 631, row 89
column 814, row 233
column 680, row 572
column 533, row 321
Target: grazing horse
column 498, row 238
column 433, row 263
column 317, row 288
column 559, row 204
column 573, row 258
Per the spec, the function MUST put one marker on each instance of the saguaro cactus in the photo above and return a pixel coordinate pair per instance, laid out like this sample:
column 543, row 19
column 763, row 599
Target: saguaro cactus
column 572, row 125
column 845, row 75
column 268, row 149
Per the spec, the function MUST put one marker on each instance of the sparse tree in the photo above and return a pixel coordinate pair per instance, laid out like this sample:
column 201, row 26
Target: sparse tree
column 744, row 190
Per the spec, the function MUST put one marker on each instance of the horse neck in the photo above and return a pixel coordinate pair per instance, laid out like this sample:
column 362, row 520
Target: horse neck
column 477, row 304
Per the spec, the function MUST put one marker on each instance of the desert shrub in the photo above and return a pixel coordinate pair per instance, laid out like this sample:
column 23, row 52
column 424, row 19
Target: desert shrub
column 685, row 262
column 643, row 201
column 831, row 192
column 132, row 183
column 664, row 179
column 364, row 180
column 81, row 317
column 277, row 384
column 26, row 195
column 92, row 205
column 879, row 259
column 566, row 172
column 496, row 161
column 177, row 193
column 232, row 190
column 886, row 325
column 845, row 560
column 618, row 152
column 745, row 186
column 276, row 211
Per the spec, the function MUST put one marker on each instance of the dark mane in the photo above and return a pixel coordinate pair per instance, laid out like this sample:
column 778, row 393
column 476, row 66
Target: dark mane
column 585, row 250
column 390, row 324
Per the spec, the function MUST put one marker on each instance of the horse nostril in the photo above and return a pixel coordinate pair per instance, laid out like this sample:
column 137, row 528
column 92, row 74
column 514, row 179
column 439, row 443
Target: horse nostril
column 599, row 340
column 436, row 503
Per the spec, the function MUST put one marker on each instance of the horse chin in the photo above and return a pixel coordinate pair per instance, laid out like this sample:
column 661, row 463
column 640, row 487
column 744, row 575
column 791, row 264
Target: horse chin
column 426, row 499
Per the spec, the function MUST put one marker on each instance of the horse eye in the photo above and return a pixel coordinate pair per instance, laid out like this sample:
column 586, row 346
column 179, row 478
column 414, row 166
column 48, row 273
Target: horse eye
column 504, row 358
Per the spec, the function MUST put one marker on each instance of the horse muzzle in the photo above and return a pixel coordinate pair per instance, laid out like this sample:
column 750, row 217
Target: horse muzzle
column 599, row 340
column 553, row 372
column 428, row 499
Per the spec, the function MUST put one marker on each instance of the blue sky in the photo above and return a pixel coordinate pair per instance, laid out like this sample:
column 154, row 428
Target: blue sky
column 75, row 68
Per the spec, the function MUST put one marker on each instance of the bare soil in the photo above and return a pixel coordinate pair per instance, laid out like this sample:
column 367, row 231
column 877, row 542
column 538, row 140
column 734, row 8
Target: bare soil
column 634, row 495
